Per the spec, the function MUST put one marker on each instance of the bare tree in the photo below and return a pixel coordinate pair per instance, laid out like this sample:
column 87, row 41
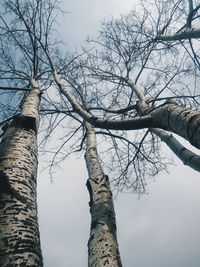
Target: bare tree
column 130, row 81
column 178, row 20
column 115, row 87
column 29, row 33
column 102, row 245
column 23, row 75
column 19, row 234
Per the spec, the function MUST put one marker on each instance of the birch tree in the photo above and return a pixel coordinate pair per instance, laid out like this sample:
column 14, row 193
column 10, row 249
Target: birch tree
column 23, row 76
column 135, row 81
column 28, row 33
column 114, row 88
column 102, row 246
column 178, row 20
column 19, row 234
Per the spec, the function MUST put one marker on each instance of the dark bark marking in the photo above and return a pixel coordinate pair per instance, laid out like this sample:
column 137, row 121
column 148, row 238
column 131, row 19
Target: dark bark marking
column 89, row 187
column 102, row 191
column 169, row 112
column 24, row 122
column 106, row 177
column 190, row 129
column 102, row 214
column 40, row 95
column 94, row 180
column 6, row 188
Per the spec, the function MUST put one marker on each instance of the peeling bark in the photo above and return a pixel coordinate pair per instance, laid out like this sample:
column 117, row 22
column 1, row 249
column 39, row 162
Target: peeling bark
column 102, row 245
column 19, row 232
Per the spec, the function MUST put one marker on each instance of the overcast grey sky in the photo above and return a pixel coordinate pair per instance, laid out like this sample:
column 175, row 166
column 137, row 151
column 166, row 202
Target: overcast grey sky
column 159, row 230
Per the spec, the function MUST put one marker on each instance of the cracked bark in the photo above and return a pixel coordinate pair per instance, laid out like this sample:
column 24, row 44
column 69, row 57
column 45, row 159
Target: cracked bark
column 19, row 231
column 102, row 245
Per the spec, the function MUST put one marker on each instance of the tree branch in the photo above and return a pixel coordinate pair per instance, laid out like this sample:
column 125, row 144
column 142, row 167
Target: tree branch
column 192, row 33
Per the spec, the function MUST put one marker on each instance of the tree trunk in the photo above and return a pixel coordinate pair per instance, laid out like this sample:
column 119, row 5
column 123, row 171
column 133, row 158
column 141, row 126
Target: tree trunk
column 102, row 245
column 188, row 157
column 19, row 232
column 179, row 120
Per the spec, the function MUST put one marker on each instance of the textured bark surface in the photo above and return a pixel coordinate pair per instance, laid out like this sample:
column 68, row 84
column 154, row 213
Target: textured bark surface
column 19, row 232
column 185, row 155
column 180, row 120
column 102, row 245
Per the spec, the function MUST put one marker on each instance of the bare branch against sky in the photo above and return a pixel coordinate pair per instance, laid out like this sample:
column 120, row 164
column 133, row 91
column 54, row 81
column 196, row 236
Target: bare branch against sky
column 159, row 228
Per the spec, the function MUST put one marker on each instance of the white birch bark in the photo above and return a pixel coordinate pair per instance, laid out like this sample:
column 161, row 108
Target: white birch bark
column 102, row 245
column 127, row 124
column 164, row 118
column 154, row 119
column 185, row 155
column 188, row 157
column 19, row 232
column 179, row 120
column 192, row 33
